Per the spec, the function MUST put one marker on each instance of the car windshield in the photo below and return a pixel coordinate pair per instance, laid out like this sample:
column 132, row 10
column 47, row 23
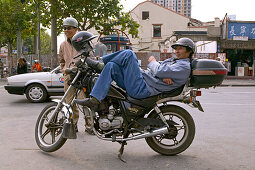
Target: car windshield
column 57, row 68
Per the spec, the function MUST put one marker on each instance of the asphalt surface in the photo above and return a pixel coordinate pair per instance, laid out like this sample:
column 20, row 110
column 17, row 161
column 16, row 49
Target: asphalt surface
column 224, row 138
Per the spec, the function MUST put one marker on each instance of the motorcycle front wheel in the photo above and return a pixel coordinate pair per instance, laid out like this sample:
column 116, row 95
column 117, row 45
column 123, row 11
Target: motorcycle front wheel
column 181, row 135
column 49, row 138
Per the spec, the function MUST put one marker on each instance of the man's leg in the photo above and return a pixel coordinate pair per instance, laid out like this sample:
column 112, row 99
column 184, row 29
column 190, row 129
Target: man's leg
column 103, row 82
column 127, row 77
column 119, row 57
column 123, row 68
column 70, row 97
column 132, row 78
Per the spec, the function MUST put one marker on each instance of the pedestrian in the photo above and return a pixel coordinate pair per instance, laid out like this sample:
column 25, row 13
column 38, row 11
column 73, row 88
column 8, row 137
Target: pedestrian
column 66, row 54
column 22, row 66
column 37, row 66
column 1, row 69
column 123, row 68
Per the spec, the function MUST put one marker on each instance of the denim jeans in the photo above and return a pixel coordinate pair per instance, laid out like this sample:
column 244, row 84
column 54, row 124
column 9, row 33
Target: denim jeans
column 123, row 68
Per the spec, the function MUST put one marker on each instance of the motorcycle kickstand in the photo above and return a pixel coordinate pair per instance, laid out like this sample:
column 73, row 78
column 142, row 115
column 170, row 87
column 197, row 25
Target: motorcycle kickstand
column 125, row 135
column 121, row 151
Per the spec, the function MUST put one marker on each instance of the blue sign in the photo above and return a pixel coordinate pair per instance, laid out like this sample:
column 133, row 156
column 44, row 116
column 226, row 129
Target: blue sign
column 241, row 29
column 218, row 47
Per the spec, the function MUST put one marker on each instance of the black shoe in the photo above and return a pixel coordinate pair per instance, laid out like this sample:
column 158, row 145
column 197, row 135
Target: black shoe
column 91, row 103
column 98, row 66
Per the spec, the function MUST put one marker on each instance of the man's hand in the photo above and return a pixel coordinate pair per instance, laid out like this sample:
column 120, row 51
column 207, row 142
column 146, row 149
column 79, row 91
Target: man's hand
column 168, row 81
column 151, row 58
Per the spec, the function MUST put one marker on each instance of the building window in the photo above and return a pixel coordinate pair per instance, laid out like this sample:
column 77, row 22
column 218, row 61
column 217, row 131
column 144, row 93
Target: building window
column 145, row 15
column 156, row 30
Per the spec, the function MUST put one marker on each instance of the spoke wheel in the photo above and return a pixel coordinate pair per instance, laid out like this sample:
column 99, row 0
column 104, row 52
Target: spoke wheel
column 49, row 138
column 180, row 136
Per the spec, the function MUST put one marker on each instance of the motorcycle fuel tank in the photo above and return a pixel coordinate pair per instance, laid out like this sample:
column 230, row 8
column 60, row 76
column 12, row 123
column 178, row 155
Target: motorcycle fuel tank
column 207, row 73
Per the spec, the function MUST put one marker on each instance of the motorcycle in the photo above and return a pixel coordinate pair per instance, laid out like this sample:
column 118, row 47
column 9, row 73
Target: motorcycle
column 167, row 128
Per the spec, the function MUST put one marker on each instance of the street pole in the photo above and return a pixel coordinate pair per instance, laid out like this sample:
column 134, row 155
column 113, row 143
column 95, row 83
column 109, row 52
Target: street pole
column 39, row 38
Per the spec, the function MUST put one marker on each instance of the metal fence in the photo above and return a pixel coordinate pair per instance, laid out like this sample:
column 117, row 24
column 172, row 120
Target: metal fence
column 45, row 59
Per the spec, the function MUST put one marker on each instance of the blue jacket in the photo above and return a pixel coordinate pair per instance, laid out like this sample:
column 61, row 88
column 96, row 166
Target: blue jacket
column 178, row 70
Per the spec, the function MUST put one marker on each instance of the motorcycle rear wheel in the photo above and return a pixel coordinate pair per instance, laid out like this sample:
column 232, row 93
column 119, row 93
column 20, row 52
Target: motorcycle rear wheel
column 179, row 142
column 49, row 139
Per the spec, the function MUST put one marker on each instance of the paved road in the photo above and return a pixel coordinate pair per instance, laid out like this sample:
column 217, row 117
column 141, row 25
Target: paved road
column 225, row 138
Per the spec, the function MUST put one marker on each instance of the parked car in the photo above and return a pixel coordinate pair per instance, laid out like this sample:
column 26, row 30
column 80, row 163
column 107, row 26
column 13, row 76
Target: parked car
column 37, row 86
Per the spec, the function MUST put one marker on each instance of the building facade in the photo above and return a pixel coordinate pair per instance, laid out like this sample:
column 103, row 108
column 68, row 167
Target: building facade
column 181, row 6
column 157, row 25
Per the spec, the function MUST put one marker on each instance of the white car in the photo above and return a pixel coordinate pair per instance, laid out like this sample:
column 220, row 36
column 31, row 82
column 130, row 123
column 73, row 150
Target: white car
column 37, row 86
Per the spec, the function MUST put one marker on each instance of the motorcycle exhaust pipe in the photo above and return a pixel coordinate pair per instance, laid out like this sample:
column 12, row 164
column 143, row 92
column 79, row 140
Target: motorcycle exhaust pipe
column 156, row 132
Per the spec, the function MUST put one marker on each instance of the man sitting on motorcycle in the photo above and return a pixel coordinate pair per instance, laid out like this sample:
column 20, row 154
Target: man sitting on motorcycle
column 123, row 68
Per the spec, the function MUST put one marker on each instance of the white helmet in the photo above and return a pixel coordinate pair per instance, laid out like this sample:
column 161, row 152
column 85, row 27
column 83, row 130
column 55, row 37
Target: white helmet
column 186, row 42
column 69, row 21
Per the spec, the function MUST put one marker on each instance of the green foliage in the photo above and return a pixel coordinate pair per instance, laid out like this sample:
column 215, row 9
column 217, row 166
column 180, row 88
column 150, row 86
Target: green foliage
column 99, row 14
column 15, row 16
column 102, row 15
column 45, row 43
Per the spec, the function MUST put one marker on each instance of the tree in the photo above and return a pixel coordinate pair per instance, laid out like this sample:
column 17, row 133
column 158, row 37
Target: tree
column 14, row 16
column 101, row 15
column 98, row 14
column 45, row 43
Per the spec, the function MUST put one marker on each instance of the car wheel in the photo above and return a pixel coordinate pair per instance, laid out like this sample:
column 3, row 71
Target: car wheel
column 36, row 93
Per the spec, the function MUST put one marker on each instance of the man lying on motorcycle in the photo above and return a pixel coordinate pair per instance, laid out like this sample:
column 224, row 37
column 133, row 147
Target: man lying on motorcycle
column 123, row 68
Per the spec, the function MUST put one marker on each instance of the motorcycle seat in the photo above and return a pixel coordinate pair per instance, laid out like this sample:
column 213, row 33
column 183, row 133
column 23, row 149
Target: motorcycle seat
column 145, row 102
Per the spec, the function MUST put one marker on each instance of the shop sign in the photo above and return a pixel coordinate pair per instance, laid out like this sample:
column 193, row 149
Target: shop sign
column 231, row 44
column 241, row 29
column 240, row 38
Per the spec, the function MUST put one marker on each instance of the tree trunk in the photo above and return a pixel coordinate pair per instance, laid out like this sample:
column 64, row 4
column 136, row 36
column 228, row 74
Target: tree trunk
column 54, row 57
column 9, row 58
column 35, row 46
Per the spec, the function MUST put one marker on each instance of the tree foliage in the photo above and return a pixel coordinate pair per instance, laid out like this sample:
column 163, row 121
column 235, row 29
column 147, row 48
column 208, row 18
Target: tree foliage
column 102, row 15
column 13, row 16
column 45, row 43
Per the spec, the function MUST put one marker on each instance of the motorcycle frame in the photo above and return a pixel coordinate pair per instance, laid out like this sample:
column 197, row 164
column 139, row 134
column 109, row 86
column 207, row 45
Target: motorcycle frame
column 182, row 97
column 187, row 96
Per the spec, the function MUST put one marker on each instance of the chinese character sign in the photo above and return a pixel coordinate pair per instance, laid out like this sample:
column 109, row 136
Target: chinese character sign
column 241, row 29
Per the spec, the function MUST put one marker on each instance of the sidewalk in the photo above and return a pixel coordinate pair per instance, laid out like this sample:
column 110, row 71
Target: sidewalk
column 238, row 82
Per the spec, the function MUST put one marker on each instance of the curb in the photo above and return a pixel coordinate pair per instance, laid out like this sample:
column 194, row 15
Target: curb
column 237, row 85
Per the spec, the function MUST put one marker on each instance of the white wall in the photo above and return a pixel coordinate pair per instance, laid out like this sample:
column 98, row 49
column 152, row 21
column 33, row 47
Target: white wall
column 169, row 20
column 206, row 47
